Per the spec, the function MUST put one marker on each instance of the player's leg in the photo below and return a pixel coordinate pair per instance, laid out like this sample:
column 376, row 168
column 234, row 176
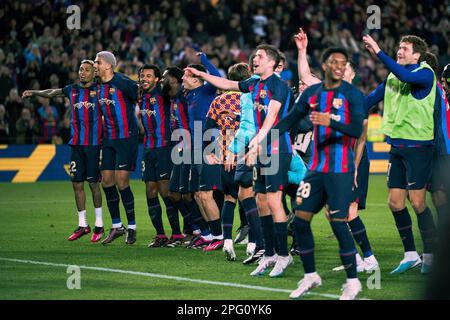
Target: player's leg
column 126, row 163
column 397, row 204
column 107, row 168
column 172, row 214
column 230, row 189
column 93, row 178
column 78, row 175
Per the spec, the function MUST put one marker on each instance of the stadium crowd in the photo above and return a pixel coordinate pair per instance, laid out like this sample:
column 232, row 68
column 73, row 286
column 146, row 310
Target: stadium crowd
column 37, row 50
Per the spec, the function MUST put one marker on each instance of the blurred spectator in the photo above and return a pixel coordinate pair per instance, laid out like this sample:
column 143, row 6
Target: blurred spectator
column 27, row 128
column 14, row 105
column 4, row 125
column 48, row 121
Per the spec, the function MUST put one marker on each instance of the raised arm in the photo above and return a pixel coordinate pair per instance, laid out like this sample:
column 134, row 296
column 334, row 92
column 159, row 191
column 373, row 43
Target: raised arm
column 48, row 93
column 304, row 72
column 218, row 82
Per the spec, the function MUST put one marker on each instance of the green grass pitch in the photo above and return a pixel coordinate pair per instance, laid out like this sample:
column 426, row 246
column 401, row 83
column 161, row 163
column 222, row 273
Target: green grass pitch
column 37, row 219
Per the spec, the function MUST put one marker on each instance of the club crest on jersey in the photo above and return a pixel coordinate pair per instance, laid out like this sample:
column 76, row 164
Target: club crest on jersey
column 263, row 94
column 112, row 90
column 337, row 103
column 152, row 100
column 92, row 93
column 260, row 107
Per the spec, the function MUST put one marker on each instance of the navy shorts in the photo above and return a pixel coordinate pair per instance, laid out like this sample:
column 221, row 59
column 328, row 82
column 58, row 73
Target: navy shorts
column 440, row 178
column 119, row 154
column 334, row 189
column 156, row 164
column 179, row 179
column 243, row 175
column 84, row 164
column 410, row 167
column 229, row 185
column 205, row 177
column 362, row 179
column 266, row 181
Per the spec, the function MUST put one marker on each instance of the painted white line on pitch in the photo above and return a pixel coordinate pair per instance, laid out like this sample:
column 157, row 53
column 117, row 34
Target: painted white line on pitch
column 161, row 276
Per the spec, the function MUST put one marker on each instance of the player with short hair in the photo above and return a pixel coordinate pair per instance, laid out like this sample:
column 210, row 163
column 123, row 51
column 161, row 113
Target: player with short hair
column 154, row 113
column 337, row 115
column 270, row 96
column 118, row 95
column 409, row 95
column 85, row 141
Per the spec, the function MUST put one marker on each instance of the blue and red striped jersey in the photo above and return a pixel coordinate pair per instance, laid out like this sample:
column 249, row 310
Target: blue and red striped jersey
column 272, row 88
column 179, row 116
column 333, row 149
column 85, row 115
column 442, row 121
column 117, row 99
column 155, row 117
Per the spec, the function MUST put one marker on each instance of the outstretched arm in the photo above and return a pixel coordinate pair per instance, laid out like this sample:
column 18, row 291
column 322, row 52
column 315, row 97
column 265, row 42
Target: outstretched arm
column 48, row 93
column 217, row 82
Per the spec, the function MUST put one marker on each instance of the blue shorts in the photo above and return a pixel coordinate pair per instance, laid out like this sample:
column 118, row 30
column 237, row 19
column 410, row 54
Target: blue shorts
column 360, row 192
column 334, row 189
column 229, row 185
column 84, row 164
column 179, row 179
column 266, row 181
column 410, row 167
column 205, row 177
column 156, row 164
column 243, row 175
column 119, row 154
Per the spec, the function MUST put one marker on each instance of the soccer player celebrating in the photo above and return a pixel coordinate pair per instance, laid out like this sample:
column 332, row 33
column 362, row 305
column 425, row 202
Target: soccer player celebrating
column 270, row 96
column 117, row 96
column 361, row 160
column 156, row 161
column 218, row 117
column 85, row 140
column 409, row 95
column 337, row 114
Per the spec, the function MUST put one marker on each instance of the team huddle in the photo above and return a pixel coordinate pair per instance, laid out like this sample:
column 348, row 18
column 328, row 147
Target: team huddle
column 212, row 144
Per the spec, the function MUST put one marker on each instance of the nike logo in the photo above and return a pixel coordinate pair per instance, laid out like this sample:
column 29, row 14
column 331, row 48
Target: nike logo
column 89, row 178
column 410, row 184
column 334, row 211
column 313, row 105
column 162, row 175
column 122, row 165
column 203, row 185
column 181, row 187
column 267, row 187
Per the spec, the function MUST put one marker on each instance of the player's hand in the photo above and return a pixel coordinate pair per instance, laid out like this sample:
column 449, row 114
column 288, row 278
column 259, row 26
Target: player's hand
column 228, row 113
column 229, row 161
column 189, row 72
column 27, row 94
column 301, row 40
column 320, row 118
column 212, row 159
column 371, row 44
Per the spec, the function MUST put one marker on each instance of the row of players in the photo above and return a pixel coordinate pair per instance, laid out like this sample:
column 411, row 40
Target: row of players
column 189, row 106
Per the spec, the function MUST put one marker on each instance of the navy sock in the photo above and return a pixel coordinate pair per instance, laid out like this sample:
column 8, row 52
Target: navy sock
column 427, row 230
column 404, row 227
column 196, row 215
column 267, row 230
column 186, row 214
column 215, row 227
column 347, row 249
column 227, row 219
column 155, row 213
column 254, row 222
column 172, row 216
column 242, row 215
column 305, row 241
column 128, row 204
column 281, row 238
column 112, row 200
column 219, row 198
column 360, row 235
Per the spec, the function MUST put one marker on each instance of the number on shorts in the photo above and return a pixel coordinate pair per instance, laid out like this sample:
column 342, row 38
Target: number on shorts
column 73, row 166
column 304, row 190
column 143, row 166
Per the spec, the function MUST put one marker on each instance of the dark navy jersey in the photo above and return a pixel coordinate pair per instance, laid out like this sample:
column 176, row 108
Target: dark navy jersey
column 272, row 88
column 155, row 116
column 333, row 145
column 442, row 122
column 117, row 99
column 85, row 115
column 179, row 118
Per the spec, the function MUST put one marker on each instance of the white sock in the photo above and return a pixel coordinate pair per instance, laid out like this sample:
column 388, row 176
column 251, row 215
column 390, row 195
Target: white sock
column 219, row 237
column 358, row 259
column 428, row 258
column 98, row 217
column 117, row 225
column 208, row 237
column 132, row 226
column 411, row 255
column 82, row 218
column 312, row 274
column 352, row 280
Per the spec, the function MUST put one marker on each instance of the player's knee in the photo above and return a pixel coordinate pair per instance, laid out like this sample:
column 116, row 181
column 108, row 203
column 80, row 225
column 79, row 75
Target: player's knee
column 187, row 197
column 396, row 205
column 245, row 193
column 174, row 196
column 342, row 233
column 418, row 205
column 439, row 198
column 205, row 196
